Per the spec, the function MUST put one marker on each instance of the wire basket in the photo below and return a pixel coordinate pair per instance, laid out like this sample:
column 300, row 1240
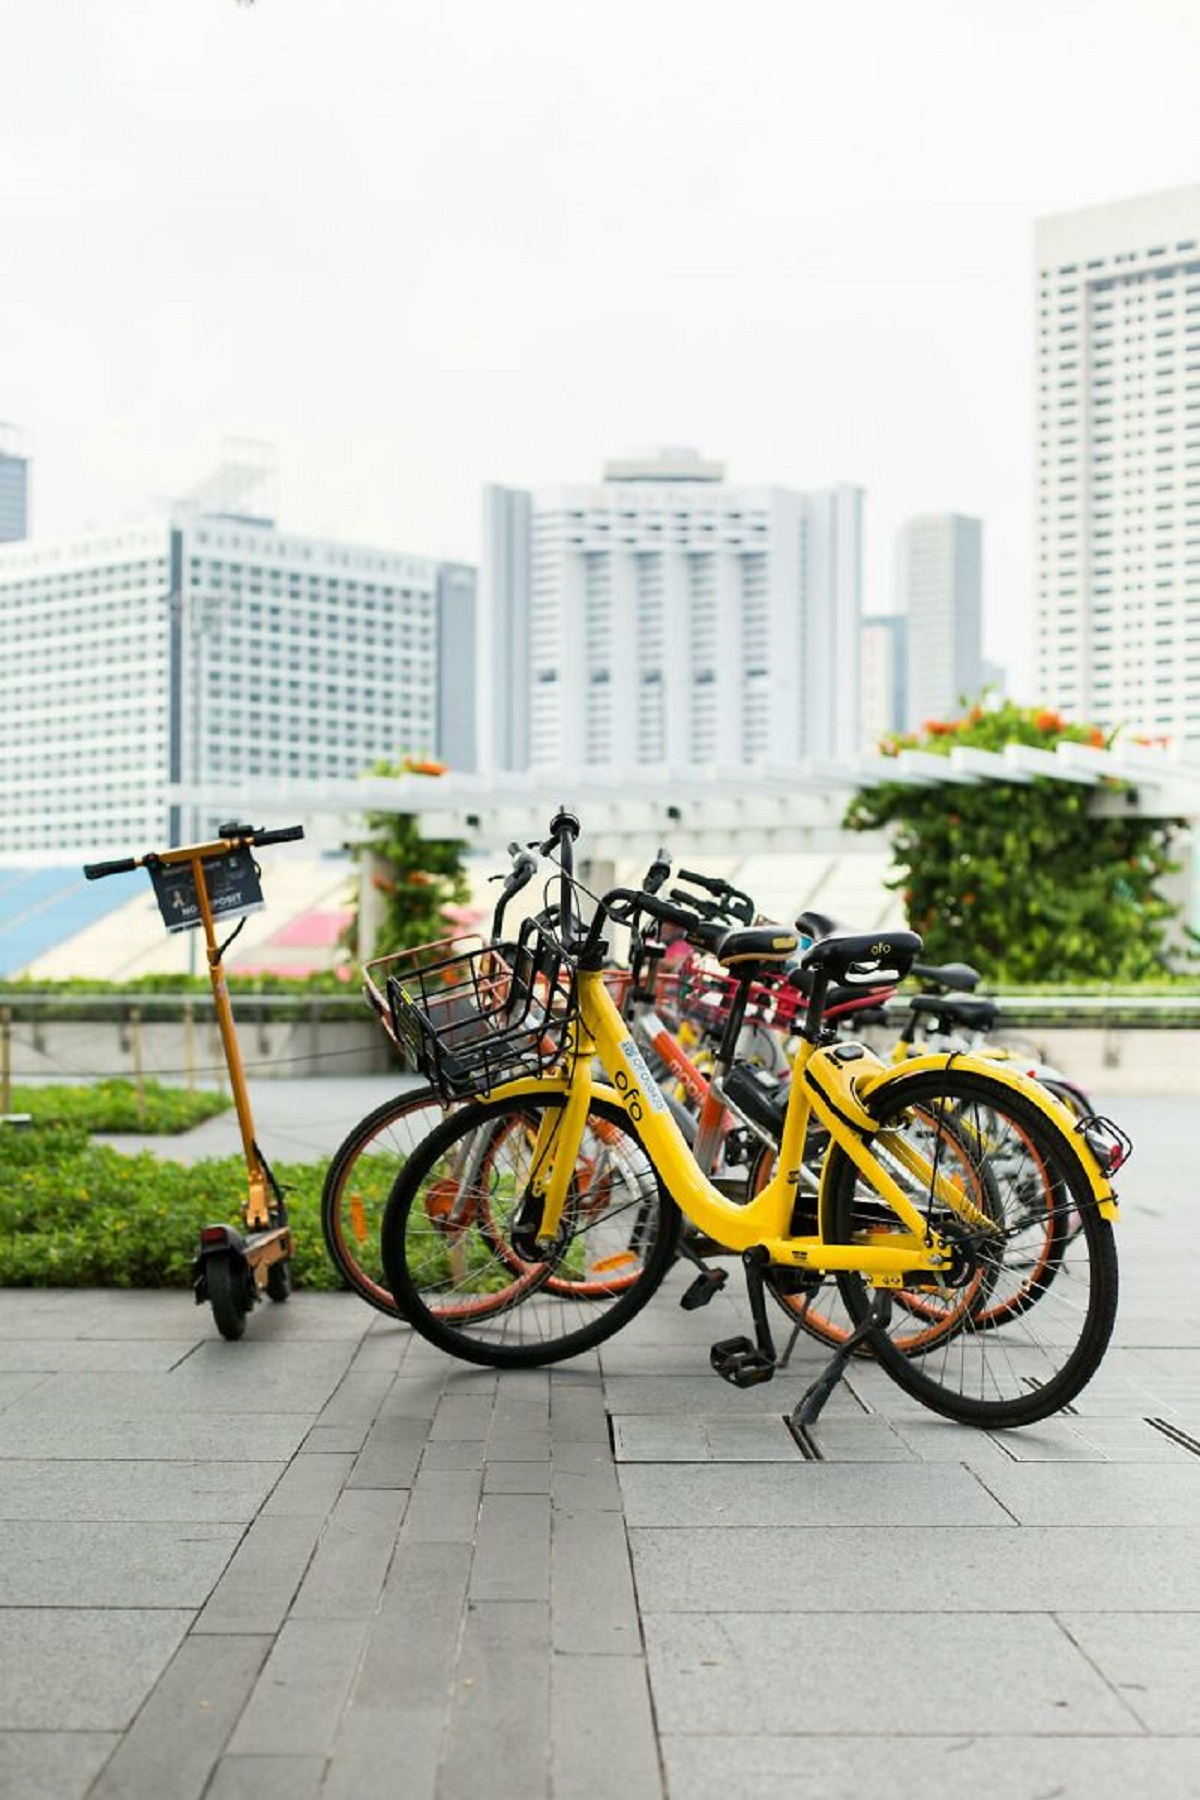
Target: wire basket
column 483, row 1013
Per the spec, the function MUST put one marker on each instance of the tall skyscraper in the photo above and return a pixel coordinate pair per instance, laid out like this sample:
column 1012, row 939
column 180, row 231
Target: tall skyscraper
column 457, row 733
column 1118, row 620
column 14, row 485
column 660, row 616
column 884, row 677
column 207, row 651
column 939, row 589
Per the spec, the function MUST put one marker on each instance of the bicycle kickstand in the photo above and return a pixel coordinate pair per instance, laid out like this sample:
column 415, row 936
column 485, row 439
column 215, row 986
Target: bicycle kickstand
column 810, row 1404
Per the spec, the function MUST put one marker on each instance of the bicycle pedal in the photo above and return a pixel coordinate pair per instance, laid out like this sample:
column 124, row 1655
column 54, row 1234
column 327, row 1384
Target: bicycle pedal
column 707, row 1283
column 740, row 1361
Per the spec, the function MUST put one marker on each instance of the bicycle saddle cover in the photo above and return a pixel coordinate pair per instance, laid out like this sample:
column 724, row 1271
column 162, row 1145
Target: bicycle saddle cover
column 758, row 943
column 864, row 958
column 973, row 1014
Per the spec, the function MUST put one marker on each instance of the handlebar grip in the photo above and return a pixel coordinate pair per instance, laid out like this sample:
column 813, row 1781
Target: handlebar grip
column 710, row 883
column 658, row 871
column 668, row 913
column 287, row 834
column 97, row 871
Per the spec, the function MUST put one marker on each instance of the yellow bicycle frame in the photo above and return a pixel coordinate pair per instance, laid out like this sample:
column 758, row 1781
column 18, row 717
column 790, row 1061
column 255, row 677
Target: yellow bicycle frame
column 836, row 1093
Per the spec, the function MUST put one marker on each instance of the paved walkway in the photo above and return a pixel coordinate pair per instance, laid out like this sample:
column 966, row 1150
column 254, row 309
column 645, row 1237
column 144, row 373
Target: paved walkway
column 328, row 1561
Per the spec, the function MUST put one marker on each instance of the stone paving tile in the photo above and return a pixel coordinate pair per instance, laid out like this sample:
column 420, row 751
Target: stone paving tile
column 121, row 1491
column 127, row 1436
column 446, row 1454
column 735, row 1497
column 297, row 1701
column 411, row 1397
column 14, row 1387
column 499, row 1714
column 602, row 1737
column 593, row 1611
column 1151, row 1659
column 336, row 1439
column 914, row 1768
column 182, row 1729
column 150, row 1564
column 953, row 1674
column 444, row 1508
column 347, row 1570
column 60, row 1355
column 357, row 1398
column 583, row 1478
column 390, row 1454
column 239, row 1390
column 266, row 1778
column 256, row 1590
column 1034, row 1569
column 1115, row 1494
column 704, row 1394
column 310, row 1485
column 52, row 1765
column 71, row 1669
column 512, row 1548
column 516, row 1478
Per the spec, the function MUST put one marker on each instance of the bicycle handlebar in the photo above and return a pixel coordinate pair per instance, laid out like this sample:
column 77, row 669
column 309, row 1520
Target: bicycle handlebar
column 97, row 871
column 227, row 834
column 287, row 834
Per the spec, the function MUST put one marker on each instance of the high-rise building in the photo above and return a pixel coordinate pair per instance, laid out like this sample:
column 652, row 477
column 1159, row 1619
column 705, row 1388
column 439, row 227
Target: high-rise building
column 196, row 653
column 884, row 674
column 14, row 485
column 1118, row 620
column 939, row 589
column 457, row 732
column 661, row 616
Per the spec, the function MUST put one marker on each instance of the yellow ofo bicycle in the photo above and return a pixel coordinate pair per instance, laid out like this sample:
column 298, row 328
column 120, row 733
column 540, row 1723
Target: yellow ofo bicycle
column 542, row 1215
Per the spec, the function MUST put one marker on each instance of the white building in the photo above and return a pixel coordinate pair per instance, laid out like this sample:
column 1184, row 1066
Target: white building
column 1118, row 622
column 884, row 671
column 14, row 485
column 939, row 590
column 211, row 651
column 662, row 617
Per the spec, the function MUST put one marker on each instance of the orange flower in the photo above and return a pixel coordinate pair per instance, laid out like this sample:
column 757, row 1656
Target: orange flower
column 1096, row 738
column 1047, row 720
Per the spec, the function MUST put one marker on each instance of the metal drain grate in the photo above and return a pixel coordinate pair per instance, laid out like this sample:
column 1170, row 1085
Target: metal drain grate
column 1031, row 1381
column 1176, row 1434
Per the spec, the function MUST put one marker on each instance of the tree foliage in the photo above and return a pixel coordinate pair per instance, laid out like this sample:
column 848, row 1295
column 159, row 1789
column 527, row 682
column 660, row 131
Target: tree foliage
column 1031, row 882
column 416, row 878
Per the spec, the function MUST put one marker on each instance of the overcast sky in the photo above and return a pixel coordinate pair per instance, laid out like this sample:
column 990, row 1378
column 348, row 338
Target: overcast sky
column 423, row 244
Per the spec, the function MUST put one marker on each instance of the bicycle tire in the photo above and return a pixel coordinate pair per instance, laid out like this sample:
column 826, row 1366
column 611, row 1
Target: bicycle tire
column 818, row 1308
column 1032, row 1363
column 462, row 1285
column 359, row 1180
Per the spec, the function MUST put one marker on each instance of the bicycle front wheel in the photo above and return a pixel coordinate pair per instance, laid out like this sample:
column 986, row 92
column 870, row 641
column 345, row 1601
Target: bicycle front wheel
column 447, row 1249
column 358, row 1181
column 1027, row 1313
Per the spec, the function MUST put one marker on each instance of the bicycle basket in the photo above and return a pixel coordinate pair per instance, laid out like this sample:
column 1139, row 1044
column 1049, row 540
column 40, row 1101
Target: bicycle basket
column 484, row 1014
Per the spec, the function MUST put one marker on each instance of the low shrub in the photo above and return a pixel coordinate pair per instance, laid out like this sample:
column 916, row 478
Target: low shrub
column 115, row 1106
column 76, row 1214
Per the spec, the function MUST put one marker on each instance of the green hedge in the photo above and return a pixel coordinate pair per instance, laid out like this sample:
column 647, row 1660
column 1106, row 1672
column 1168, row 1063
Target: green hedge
column 115, row 1106
column 76, row 1214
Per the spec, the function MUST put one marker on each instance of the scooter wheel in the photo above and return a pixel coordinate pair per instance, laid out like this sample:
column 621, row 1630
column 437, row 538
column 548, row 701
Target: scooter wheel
column 226, row 1283
column 279, row 1280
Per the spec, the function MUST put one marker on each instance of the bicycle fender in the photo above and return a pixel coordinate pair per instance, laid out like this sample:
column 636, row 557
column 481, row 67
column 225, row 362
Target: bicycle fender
column 530, row 1086
column 872, row 1082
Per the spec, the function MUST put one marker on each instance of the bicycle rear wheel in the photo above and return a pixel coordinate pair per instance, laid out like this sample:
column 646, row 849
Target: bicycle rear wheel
column 1026, row 1318
column 448, row 1255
